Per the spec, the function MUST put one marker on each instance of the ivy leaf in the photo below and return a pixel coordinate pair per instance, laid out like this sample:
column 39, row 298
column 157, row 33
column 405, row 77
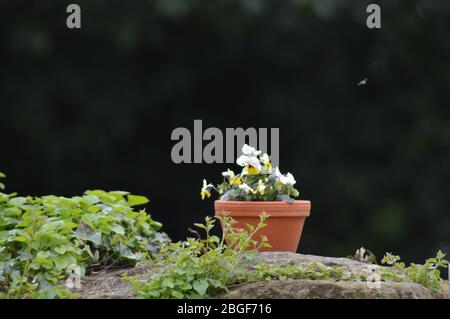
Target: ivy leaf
column 61, row 249
column 177, row 294
column 126, row 252
column 85, row 233
column 18, row 201
column 200, row 286
column 52, row 238
column 117, row 229
column 167, row 282
column 43, row 259
column 91, row 199
column 135, row 200
column 64, row 261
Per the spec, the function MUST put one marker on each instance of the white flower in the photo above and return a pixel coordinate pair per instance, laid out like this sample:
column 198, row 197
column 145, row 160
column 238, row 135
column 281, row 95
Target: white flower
column 287, row 179
column 249, row 160
column 247, row 189
column 250, row 151
column 264, row 158
column 228, row 173
column 246, row 160
column 267, row 165
column 252, row 166
column 205, row 185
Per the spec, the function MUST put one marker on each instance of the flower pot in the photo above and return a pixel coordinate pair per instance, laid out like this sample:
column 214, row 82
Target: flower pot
column 284, row 226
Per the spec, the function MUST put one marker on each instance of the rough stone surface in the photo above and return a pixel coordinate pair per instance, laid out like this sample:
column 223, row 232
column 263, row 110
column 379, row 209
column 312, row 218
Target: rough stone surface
column 110, row 285
column 288, row 258
column 319, row 289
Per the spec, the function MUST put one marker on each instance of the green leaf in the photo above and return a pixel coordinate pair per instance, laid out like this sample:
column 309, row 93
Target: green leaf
column 91, row 199
column 120, row 193
column 43, row 259
column 135, row 200
column 167, row 282
column 18, row 201
column 440, row 255
column 126, row 252
column 177, row 294
column 86, row 233
column 21, row 239
column 199, row 225
column 61, row 249
column 64, row 261
column 117, row 229
column 200, row 286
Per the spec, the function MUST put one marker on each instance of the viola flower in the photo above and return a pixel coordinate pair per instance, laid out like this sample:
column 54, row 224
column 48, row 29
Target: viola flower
column 249, row 160
column 251, row 165
column 250, row 151
column 232, row 179
column 267, row 165
column 287, row 179
column 247, row 189
column 261, row 187
column 257, row 180
column 251, row 170
column 205, row 192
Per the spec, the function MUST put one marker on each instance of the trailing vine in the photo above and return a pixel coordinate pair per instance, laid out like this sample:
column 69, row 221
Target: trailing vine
column 44, row 240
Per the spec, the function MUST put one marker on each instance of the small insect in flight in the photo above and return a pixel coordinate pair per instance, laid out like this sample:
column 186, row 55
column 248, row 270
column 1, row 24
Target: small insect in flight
column 362, row 82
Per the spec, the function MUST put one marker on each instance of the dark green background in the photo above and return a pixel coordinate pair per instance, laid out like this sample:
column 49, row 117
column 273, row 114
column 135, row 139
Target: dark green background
column 94, row 108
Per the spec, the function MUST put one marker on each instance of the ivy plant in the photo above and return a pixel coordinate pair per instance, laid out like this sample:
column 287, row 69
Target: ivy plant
column 44, row 240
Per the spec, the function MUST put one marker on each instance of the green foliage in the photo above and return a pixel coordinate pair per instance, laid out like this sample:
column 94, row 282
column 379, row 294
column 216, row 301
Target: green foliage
column 198, row 268
column 2, row 186
column 311, row 271
column 45, row 239
column 427, row 275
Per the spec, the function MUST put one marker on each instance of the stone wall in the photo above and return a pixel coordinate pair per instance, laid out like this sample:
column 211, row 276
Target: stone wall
column 110, row 285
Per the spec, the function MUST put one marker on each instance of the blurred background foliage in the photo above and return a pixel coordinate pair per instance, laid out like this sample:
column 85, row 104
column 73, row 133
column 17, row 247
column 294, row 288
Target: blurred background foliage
column 94, row 108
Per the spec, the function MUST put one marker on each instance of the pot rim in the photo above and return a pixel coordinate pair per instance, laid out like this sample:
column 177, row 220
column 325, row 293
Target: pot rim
column 255, row 203
column 255, row 208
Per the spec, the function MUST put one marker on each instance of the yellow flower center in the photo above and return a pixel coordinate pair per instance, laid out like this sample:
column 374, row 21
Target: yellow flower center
column 251, row 170
column 236, row 181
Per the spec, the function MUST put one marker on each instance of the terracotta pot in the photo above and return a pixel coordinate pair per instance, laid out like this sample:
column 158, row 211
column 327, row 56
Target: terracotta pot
column 284, row 226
